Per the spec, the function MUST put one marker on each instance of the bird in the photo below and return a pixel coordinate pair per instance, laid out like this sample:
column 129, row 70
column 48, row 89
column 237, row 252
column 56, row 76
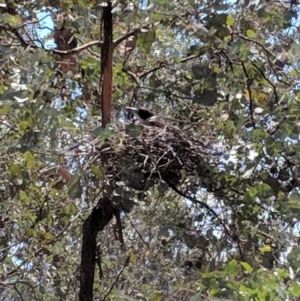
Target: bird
column 146, row 117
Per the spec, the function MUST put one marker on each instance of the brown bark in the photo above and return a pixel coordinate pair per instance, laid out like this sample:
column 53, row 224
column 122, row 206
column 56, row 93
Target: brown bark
column 99, row 218
column 106, row 65
column 104, row 212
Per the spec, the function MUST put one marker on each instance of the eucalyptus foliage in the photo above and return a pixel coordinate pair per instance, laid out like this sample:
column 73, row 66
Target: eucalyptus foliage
column 226, row 74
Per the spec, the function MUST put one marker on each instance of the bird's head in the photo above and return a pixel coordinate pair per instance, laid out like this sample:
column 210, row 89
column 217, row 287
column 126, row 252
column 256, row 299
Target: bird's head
column 146, row 117
column 142, row 114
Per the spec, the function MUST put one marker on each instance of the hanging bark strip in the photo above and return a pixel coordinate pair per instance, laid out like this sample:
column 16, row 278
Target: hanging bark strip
column 104, row 212
column 106, row 65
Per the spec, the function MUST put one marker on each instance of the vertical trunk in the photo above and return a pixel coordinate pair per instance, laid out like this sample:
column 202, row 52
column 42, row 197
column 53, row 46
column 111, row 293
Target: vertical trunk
column 106, row 65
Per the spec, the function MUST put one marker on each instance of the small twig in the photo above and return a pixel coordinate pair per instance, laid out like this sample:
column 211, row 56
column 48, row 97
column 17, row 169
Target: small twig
column 248, row 85
column 60, row 233
column 129, row 34
column 79, row 48
column 164, row 64
column 137, row 231
column 264, row 76
column 117, row 278
column 227, row 229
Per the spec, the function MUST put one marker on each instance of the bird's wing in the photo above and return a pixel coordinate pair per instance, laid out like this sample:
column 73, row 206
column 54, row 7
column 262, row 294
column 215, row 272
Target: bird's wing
column 155, row 121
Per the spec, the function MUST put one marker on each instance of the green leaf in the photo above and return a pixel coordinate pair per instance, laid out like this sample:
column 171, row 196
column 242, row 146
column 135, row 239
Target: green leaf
column 282, row 273
column 49, row 236
column 97, row 171
column 23, row 196
column 214, row 291
column 229, row 129
column 15, row 20
column 5, row 109
column 42, row 290
column 145, row 40
column 208, row 275
column 66, row 123
column 75, row 188
column 157, row 16
column 230, row 20
column 263, row 190
column 266, row 248
column 259, row 134
column 24, row 125
column 29, row 159
column 294, row 289
column 245, row 289
column 247, row 267
column 12, row 20
column 251, row 194
column 294, row 200
column 250, row 33
column 288, row 128
column 156, row 296
column 89, row 62
column 15, row 169
column 232, row 268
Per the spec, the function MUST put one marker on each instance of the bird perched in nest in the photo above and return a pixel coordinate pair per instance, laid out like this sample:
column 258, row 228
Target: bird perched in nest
column 146, row 117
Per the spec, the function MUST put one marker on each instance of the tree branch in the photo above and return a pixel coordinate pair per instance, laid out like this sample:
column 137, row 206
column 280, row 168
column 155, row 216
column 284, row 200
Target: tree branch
column 129, row 34
column 79, row 48
column 227, row 229
column 117, row 278
column 164, row 64
column 99, row 218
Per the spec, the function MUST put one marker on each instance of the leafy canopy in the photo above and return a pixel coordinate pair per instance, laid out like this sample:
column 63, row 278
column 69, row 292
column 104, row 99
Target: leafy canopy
column 226, row 74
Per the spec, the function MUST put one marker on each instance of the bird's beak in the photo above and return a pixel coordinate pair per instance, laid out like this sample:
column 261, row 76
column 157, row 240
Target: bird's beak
column 132, row 109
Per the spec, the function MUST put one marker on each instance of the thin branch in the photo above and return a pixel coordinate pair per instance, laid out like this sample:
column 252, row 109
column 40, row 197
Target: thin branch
column 137, row 231
column 248, row 85
column 79, row 48
column 227, row 229
column 19, row 37
column 268, row 54
column 267, row 51
column 15, row 282
column 117, row 278
column 129, row 34
column 166, row 92
column 60, row 233
column 18, row 292
column 264, row 76
column 164, row 64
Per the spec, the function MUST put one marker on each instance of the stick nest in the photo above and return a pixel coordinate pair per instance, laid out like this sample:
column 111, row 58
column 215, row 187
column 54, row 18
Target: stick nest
column 141, row 156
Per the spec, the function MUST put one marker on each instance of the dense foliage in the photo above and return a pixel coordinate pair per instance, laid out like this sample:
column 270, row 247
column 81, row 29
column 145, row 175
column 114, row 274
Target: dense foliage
column 209, row 207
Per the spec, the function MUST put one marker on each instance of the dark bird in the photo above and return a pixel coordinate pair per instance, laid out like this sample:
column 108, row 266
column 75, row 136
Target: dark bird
column 146, row 117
